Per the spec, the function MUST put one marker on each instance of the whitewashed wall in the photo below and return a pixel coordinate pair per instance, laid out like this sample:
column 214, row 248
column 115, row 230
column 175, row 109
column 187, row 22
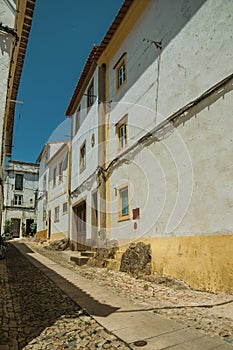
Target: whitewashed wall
column 27, row 210
column 57, row 195
column 88, row 128
column 86, row 179
column 183, row 184
column 7, row 18
column 197, row 50
column 48, row 152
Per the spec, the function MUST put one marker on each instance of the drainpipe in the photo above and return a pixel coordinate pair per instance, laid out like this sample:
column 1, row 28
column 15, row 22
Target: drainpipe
column 68, row 192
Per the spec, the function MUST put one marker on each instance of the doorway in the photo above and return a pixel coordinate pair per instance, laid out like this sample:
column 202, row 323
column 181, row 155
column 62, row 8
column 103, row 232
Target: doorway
column 79, row 225
column 28, row 228
column 15, row 228
column 49, row 224
column 94, row 218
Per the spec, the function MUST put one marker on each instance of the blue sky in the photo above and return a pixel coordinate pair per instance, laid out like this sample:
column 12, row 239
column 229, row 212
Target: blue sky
column 61, row 38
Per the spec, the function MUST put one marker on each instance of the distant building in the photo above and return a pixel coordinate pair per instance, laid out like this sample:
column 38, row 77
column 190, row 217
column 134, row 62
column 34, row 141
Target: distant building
column 15, row 26
column 20, row 196
column 53, row 196
column 86, row 157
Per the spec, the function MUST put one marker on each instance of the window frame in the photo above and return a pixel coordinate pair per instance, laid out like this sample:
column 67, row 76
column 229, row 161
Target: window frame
column 90, row 94
column 123, row 122
column 56, row 213
column 19, row 188
column 18, row 198
column 77, row 120
column 54, row 176
column 82, row 164
column 121, row 63
column 60, row 172
column 44, row 182
column 121, row 216
column 64, row 211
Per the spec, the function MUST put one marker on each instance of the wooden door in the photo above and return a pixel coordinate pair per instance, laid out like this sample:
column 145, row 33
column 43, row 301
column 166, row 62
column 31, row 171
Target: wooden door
column 80, row 225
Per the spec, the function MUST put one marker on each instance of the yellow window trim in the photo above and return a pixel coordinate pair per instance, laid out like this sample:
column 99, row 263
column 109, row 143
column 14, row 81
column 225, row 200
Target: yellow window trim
column 64, row 212
column 118, row 65
column 82, row 168
column 120, row 216
column 123, row 121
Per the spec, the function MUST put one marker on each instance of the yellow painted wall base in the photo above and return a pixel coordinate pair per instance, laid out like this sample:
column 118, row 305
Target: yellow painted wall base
column 57, row 236
column 203, row 262
column 42, row 234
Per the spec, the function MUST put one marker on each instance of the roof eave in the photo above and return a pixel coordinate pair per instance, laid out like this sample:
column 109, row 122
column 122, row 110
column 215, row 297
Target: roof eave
column 22, row 28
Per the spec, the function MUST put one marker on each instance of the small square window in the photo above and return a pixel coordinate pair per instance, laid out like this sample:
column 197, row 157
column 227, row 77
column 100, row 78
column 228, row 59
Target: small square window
column 18, row 200
column 123, row 202
column 82, row 160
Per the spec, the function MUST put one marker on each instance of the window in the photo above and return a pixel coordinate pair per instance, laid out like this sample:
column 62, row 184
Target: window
column 82, row 161
column 44, row 213
column 65, row 207
column 121, row 75
column 120, row 68
column 56, row 214
column 46, row 154
column 19, row 182
column 77, row 120
column 54, row 176
column 44, row 182
column 122, row 133
column 18, row 200
column 123, row 213
column 90, row 95
column 60, row 174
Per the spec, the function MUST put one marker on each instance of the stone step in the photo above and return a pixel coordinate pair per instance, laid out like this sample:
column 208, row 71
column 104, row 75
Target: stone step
column 87, row 253
column 79, row 260
column 119, row 254
column 113, row 264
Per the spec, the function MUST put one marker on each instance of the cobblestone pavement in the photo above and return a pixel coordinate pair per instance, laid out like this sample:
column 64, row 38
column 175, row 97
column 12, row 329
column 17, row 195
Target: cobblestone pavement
column 36, row 314
column 211, row 313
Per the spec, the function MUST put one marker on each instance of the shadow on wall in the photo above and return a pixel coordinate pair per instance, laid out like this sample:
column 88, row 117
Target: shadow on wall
column 5, row 45
column 171, row 18
column 37, row 302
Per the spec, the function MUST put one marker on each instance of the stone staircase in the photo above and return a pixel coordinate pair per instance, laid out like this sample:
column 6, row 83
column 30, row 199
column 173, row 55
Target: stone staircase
column 81, row 258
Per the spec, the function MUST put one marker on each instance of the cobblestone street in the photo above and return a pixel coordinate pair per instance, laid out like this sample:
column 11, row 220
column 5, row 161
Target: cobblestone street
column 36, row 314
column 210, row 313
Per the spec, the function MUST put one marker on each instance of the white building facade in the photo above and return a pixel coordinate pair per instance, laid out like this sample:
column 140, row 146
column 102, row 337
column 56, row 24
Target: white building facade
column 53, row 190
column 20, row 197
column 83, row 109
column 170, row 144
column 152, row 140
column 15, row 25
column 58, row 194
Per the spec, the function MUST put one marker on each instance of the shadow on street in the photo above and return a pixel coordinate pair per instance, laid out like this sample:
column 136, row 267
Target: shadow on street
column 31, row 302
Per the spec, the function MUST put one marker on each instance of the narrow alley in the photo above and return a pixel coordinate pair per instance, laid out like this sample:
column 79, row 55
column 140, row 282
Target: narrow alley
column 35, row 311
column 41, row 293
